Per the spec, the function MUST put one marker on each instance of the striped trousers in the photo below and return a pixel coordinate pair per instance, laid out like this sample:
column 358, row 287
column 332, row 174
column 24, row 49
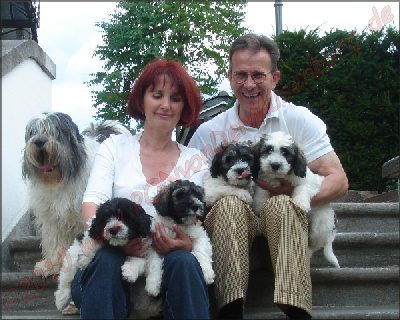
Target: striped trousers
column 232, row 227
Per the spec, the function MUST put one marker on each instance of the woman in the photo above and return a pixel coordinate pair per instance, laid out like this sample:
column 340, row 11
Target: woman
column 135, row 168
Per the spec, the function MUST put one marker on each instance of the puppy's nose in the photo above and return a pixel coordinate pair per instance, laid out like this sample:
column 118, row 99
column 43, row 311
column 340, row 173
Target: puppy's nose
column 114, row 230
column 275, row 166
column 40, row 142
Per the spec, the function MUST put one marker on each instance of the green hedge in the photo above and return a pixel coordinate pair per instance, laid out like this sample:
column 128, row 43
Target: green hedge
column 351, row 81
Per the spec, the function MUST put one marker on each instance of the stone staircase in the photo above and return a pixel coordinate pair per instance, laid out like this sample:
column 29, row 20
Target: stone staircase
column 366, row 286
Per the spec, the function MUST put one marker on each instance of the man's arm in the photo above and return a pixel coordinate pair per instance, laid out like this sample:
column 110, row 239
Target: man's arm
column 335, row 184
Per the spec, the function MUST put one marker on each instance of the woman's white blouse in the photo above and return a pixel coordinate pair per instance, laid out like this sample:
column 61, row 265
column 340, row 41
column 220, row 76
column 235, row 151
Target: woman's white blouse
column 117, row 172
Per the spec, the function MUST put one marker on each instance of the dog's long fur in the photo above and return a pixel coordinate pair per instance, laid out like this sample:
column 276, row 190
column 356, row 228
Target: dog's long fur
column 56, row 164
column 230, row 174
column 116, row 222
column 104, row 129
column 278, row 156
column 180, row 203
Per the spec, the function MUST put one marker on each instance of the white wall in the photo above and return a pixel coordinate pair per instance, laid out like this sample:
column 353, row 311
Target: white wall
column 26, row 92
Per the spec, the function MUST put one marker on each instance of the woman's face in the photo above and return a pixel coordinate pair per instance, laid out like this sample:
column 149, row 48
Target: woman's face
column 163, row 104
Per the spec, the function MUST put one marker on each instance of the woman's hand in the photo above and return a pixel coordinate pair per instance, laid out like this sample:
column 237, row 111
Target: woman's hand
column 164, row 244
column 285, row 187
column 136, row 247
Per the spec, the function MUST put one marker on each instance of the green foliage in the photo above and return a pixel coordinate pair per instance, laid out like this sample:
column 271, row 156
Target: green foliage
column 197, row 34
column 351, row 82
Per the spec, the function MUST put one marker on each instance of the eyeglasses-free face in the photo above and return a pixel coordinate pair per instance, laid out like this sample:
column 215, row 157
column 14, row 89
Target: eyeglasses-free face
column 163, row 105
column 258, row 76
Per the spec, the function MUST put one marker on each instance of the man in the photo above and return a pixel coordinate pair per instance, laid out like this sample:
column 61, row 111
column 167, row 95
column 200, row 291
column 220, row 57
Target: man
column 253, row 74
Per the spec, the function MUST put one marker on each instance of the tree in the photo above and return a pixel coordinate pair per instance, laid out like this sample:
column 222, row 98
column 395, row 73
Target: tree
column 351, row 81
column 197, row 34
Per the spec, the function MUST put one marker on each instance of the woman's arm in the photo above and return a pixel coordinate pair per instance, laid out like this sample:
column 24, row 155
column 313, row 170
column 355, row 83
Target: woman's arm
column 164, row 244
column 100, row 182
column 88, row 210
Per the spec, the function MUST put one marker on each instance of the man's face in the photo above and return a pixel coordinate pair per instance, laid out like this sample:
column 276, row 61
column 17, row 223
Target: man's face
column 251, row 93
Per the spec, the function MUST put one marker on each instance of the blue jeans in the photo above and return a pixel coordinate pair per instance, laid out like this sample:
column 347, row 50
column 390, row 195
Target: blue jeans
column 100, row 292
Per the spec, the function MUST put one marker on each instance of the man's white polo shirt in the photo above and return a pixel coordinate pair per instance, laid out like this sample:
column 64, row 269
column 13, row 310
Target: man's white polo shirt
column 306, row 129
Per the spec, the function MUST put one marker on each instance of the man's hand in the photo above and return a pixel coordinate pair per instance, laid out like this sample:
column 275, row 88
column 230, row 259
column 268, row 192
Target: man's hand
column 284, row 188
column 164, row 244
column 136, row 247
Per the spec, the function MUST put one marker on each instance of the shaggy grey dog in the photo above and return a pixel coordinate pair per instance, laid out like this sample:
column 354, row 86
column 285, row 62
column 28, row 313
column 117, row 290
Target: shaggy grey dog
column 56, row 165
column 104, row 129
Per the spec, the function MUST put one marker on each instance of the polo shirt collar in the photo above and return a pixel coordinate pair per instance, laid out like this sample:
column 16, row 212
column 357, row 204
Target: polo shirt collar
column 272, row 113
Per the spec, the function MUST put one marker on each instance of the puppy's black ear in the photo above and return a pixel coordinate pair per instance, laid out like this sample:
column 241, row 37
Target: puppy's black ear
column 161, row 200
column 144, row 221
column 299, row 162
column 201, row 193
column 97, row 227
column 215, row 168
column 98, row 222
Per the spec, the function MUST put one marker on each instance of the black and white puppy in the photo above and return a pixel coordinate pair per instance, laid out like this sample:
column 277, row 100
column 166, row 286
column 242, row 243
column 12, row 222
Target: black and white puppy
column 279, row 156
column 180, row 203
column 230, row 174
column 116, row 222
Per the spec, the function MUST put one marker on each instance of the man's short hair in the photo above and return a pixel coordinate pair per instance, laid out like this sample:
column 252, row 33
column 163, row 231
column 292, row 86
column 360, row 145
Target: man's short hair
column 256, row 43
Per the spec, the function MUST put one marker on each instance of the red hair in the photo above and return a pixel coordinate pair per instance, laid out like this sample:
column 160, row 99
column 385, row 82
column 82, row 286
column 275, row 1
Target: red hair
column 178, row 75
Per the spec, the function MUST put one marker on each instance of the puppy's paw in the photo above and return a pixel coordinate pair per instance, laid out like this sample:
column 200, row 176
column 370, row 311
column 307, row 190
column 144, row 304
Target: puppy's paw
column 303, row 203
column 310, row 251
column 153, row 285
column 209, row 200
column 47, row 267
column 63, row 298
column 130, row 272
column 245, row 196
column 209, row 275
column 70, row 309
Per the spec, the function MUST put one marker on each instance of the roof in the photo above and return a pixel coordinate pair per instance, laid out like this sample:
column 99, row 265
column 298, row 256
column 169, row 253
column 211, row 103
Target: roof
column 213, row 106
column 222, row 97
column 14, row 52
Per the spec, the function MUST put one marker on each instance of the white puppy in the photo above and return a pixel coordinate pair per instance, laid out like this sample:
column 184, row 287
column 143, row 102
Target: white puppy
column 278, row 156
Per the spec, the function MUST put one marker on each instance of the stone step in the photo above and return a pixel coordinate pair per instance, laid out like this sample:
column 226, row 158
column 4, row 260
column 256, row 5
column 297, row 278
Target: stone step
column 352, row 218
column 27, row 291
column 362, row 250
column 367, row 217
column 345, row 287
column 51, row 315
column 352, row 250
column 365, row 312
column 25, row 252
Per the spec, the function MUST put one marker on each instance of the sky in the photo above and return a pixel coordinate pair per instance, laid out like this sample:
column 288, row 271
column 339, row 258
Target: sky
column 67, row 33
